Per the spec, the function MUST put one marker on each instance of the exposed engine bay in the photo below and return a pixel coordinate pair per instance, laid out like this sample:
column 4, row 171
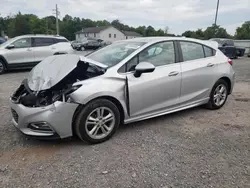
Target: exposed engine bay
column 59, row 92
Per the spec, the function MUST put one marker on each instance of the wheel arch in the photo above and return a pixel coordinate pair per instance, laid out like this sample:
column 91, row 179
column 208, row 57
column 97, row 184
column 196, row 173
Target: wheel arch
column 4, row 61
column 229, row 83
column 107, row 97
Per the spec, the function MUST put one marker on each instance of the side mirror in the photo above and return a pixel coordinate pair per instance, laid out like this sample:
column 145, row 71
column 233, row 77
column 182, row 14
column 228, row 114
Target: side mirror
column 10, row 46
column 143, row 67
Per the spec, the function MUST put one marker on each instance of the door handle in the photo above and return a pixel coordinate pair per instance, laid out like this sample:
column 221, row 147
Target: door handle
column 53, row 48
column 29, row 49
column 210, row 65
column 174, row 73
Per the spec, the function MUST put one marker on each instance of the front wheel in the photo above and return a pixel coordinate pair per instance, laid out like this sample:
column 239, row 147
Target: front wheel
column 218, row 96
column 2, row 67
column 97, row 121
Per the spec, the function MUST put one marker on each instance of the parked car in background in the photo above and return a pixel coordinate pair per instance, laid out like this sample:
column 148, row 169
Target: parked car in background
column 228, row 48
column 78, row 45
column 28, row 50
column 124, row 82
column 2, row 40
column 88, row 44
column 93, row 44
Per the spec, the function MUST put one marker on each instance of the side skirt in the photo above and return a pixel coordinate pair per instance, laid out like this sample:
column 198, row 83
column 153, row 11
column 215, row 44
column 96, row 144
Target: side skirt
column 164, row 112
column 22, row 65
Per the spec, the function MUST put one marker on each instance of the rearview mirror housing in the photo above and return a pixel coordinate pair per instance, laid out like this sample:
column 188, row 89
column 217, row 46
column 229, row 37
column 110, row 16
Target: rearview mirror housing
column 143, row 67
column 10, row 46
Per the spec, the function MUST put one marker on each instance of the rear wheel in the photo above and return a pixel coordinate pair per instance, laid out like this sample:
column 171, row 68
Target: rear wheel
column 218, row 96
column 2, row 67
column 97, row 121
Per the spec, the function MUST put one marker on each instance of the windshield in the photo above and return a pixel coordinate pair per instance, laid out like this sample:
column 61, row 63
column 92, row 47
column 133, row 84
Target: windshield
column 115, row 53
column 9, row 41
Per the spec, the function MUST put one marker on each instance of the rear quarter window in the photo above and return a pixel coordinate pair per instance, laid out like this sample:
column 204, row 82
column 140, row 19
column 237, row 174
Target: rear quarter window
column 43, row 41
column 208, row 51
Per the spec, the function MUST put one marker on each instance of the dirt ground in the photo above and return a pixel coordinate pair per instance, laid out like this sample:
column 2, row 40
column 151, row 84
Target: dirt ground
column 192, row 148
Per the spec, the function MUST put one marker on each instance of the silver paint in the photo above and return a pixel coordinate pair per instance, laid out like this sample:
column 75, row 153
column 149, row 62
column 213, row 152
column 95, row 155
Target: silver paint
column 169, row 88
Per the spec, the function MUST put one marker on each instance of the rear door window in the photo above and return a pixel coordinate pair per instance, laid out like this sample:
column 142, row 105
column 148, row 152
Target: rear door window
column 61, row 40
column 43, row 41
column 191, row 51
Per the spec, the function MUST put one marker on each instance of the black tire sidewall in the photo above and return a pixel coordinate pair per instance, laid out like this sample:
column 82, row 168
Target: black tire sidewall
column 81, row 120
column 4, row 67
column 211, row 101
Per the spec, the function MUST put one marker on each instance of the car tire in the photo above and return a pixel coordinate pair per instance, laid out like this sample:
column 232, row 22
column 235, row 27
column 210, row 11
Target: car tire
column 218, row 95
column 96, row 128
column 2, row 67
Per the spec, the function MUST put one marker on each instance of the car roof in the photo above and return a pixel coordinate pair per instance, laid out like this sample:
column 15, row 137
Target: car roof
column 159, row 39
column 41, row 35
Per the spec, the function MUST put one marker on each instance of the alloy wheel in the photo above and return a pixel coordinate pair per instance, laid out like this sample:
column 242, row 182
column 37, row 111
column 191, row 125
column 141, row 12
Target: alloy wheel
column 220, row 95
column 100, row 123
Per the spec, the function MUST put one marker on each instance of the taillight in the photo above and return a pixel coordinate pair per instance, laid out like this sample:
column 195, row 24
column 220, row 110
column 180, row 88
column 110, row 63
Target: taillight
column 230, row 62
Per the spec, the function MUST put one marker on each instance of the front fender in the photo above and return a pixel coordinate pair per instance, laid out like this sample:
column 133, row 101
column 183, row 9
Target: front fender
column 98, row 88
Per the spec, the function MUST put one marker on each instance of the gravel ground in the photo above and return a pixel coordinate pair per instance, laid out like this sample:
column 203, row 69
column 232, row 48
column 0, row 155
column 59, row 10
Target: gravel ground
column 192, row 148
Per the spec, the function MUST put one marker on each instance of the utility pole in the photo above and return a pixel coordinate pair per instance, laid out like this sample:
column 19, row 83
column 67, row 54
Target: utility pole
column 216, row 14
column 57, row 24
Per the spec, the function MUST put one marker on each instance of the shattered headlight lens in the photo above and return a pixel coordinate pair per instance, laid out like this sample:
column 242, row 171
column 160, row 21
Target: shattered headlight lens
column 71, row 89
column 67, row 93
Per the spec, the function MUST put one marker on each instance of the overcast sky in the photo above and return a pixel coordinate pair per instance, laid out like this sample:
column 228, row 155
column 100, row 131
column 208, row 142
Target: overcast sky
column 178, row 15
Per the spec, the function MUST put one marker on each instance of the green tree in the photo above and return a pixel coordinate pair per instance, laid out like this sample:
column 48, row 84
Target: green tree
column 141, row 30
column 19, row 26
column 190, row 34
column 215, row 31
column 150, row 31
column 243, row 32
column 160, row 32
column 199, row 34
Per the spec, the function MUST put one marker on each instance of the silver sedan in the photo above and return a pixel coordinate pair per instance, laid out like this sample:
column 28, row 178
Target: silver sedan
column 128, row 81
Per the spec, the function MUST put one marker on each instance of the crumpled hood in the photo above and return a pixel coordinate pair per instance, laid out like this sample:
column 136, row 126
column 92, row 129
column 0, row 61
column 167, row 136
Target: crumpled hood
column 53, row 69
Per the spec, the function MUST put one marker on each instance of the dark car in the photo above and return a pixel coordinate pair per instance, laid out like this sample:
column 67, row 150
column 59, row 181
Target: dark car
column 228, row 48
column 93, row 44
column 78, row 45
column 2, row 40
column 88, row 44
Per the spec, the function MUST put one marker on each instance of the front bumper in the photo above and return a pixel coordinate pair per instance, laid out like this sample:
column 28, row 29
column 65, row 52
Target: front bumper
column 58, row 116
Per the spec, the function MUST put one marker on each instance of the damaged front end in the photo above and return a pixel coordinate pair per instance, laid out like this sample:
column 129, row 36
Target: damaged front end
column 42, row 106
column 25, row 96
column 54, row 79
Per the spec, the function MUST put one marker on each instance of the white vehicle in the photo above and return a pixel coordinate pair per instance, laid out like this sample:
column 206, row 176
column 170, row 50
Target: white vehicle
column 28, row 50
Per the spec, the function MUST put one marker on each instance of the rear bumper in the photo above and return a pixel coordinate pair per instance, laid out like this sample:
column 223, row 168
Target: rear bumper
column 58, row 117
column 232, row 83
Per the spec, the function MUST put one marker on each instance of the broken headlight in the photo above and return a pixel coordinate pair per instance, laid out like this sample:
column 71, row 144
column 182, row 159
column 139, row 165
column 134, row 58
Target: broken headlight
column 71, row 90
column 65, row 94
